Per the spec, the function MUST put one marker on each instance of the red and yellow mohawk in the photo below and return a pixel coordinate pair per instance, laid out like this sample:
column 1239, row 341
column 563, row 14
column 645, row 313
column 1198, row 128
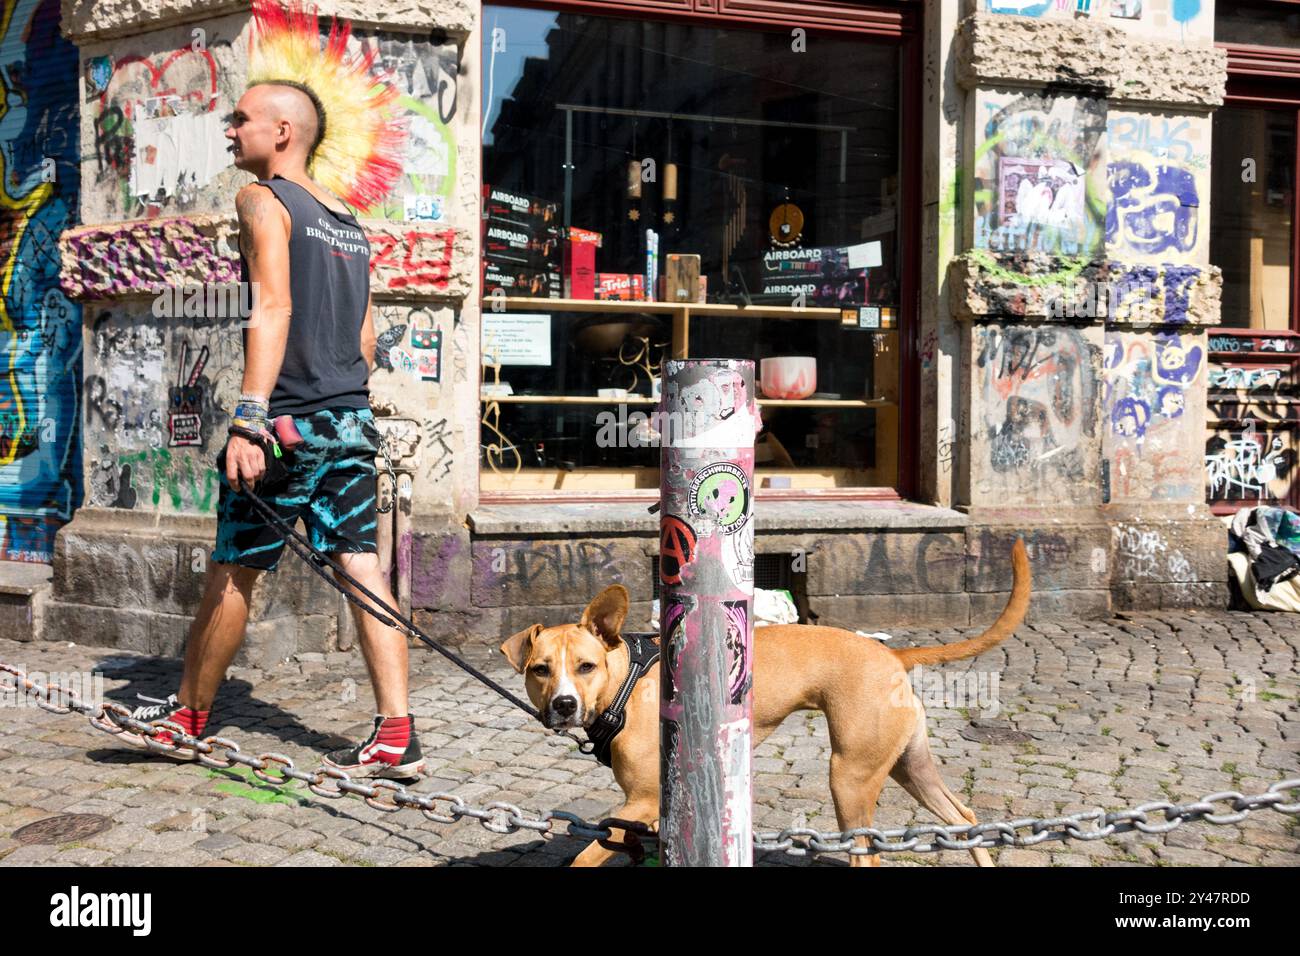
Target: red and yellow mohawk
column 360, row 156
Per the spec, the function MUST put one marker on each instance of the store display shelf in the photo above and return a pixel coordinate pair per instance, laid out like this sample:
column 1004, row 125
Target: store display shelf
column 663, row 308
column 643, row 400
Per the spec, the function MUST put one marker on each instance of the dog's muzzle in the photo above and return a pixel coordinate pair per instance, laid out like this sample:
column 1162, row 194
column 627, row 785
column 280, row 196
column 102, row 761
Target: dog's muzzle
column 564, row 711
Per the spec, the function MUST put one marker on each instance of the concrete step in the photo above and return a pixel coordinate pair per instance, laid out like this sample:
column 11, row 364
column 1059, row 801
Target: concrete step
column 24, row 590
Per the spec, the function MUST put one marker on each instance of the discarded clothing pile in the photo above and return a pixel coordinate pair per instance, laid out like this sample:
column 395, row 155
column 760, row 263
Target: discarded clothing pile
column 1264, row 555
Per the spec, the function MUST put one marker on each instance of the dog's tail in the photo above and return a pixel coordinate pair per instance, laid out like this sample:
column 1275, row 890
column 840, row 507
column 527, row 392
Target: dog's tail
column 998, row 632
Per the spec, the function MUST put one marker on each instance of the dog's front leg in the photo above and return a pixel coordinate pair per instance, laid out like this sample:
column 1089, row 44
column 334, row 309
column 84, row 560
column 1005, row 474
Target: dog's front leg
column 597, row 855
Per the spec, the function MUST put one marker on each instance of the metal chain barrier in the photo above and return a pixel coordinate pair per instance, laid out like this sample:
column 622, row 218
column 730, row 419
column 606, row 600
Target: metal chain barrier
column 221, row 753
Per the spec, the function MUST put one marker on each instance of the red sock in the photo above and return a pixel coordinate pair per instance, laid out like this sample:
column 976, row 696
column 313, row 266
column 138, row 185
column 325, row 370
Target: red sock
column 392, row 740
column 192, row 720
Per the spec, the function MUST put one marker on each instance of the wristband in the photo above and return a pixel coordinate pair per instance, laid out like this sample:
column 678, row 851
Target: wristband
column 251, row 413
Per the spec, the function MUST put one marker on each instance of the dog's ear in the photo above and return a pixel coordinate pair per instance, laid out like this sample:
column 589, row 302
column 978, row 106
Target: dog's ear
column 604, row 616
column 518, row 647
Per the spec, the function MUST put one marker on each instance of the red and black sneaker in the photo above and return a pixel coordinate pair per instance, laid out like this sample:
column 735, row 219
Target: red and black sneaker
column 392, row 750
column 171, row 710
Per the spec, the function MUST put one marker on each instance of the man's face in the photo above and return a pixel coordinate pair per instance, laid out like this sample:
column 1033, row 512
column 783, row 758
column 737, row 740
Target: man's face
column 253, row 131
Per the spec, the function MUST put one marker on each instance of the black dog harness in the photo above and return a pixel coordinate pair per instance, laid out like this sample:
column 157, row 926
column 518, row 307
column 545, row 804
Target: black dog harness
column 643, row 652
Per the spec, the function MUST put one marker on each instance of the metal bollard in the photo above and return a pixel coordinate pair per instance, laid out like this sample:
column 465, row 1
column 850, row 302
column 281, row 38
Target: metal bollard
column 709, row 417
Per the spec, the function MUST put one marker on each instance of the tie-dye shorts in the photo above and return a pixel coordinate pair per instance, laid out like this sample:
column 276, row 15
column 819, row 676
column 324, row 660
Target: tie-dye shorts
column 331, row 486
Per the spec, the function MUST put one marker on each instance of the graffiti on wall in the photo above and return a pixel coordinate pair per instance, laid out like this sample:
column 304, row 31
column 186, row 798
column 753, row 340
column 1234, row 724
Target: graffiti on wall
column 1251, row 445
column 1182, row 12
column 138, row 258
column 1154, row 208
column 1038, row 185
column 1249, row 465
column 40, row 329
column 1150, row 385
column 159, row 127
column 1038, row 388
column 155, row 410
column 429, row 79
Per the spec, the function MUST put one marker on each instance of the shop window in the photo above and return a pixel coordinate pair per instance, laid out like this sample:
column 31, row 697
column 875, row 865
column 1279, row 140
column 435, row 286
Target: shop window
column 672, row 189
column 1252, row 208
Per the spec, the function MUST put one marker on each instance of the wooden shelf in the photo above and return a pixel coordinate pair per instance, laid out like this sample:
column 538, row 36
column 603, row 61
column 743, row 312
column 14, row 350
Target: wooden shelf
column 642, row 400
column 665, row 308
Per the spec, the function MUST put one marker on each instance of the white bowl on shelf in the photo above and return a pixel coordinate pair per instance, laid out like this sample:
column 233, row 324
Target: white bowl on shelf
column 788, row 376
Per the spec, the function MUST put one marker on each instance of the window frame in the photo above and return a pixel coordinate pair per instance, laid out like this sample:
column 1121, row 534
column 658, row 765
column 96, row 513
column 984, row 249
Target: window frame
column 897, row 22
column 1268, row 78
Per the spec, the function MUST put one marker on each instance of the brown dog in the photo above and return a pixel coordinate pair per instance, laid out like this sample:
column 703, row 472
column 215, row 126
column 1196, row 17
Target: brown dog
column 877, row 725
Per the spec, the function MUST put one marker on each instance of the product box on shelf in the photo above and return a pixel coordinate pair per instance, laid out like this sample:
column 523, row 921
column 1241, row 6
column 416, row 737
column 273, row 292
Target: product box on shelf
column 521, row 281
column 516, row 207
column 579, row 270
column 620, row 287
column 504, row 241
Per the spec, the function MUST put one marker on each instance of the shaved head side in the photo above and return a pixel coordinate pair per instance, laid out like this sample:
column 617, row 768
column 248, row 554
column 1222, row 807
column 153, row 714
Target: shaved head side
column 299, row 104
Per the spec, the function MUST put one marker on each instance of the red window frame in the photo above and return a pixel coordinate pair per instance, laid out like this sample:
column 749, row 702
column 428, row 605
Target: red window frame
column 900, row 21
column 1269, row 78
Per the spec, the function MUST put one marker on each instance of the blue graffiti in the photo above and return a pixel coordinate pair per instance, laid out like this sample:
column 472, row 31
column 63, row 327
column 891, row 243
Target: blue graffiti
column 1176, row 364
column 1185, row 11
column 40, row 329
column 1025, row 8
column 1129, row 418
column 1152, row 209
column 1170, row 401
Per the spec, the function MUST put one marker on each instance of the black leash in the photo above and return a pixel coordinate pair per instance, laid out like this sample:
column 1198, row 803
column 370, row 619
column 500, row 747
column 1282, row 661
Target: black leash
column 317, row 561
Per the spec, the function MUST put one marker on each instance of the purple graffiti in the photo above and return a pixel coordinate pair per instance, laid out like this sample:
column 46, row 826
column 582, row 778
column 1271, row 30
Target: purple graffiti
column 1176, row 364
column 1129, row 418
column 1152, row 209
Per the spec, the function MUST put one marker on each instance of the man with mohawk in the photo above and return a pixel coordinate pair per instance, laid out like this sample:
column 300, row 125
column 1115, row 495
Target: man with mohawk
column 309, row 117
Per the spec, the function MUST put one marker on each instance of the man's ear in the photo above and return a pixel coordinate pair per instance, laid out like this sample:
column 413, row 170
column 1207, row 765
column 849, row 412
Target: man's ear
column 604, row 616
column 517, row 648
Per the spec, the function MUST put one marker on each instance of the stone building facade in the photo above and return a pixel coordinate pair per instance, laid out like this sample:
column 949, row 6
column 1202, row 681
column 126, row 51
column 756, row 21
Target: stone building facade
column 1053, row 380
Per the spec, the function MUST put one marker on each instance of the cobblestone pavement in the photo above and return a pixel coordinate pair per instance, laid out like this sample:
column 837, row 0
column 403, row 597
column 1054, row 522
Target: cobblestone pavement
column 1169, row 706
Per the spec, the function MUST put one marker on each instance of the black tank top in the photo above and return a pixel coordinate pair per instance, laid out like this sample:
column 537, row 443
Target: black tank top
column 329, row 279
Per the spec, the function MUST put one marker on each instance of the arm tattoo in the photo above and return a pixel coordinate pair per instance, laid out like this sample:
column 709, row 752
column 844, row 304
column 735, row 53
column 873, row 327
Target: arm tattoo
column 251, row 207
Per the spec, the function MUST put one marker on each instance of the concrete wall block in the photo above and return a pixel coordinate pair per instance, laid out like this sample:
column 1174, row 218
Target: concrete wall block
column 1155, row 552
column 291, row 590
column 992, row 49
column 1129, row 596
column 317, row 634
column 268, row 644
column 1065, row 557
column 102, row 570
column 97, row 19
column 168, row 634
column 881, row 611
column 1035, row 418
column 17, row 620
column 440, row 568
column 177, row 573
column 883, row 563
column 1064, row 605
column 462, row 627
column 1039, row 286
column 550, row 571
column 128, row 629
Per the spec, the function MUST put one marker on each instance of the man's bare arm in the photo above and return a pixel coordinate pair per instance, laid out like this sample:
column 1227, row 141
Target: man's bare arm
column 368, row 339
column 264, row 237
column 264, row 228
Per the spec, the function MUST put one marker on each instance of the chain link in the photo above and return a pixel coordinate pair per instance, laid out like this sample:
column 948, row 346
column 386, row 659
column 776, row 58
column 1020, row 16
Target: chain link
column 502, row 817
